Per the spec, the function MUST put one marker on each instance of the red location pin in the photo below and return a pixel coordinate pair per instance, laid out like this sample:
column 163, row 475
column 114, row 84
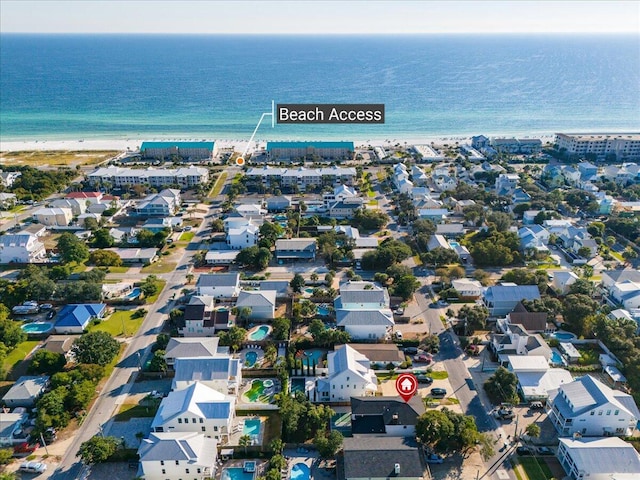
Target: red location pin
column 406, row 386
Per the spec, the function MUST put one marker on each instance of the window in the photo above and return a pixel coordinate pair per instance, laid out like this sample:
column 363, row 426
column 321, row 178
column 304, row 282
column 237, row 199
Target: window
column 179, row 420
column 593, row 412
column 616, row 412
column 177, row 462
column 599, row 412
column 202, row 420
column 186, row 470
column 161, row 462
column 199, row 470
column 193, row 420
column 164, row 471
column 215, row 428
column 204, row 429
column 608, row 412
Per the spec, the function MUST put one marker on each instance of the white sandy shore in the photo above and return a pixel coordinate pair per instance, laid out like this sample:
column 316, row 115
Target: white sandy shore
column 238, row 145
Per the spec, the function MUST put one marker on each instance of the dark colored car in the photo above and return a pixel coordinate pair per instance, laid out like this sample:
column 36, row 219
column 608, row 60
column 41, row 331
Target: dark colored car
column 411, row 350
column 545, row 451
column 523, row 451
column 438, row 392
column 424, row 379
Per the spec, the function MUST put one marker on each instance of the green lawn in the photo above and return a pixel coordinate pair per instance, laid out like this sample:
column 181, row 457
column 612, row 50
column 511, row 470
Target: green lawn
column 187, row 237
column 536, row 468
column 217, row 186
column 116, row 321
column 617, row 256
column 371, row 194
column 439, row 375
column 153, row 298
column 18, row 354
column 128, row 411
column 384, row 376
column 78, row 268
column 160, row 266
column 589, row 356
column 118, row 269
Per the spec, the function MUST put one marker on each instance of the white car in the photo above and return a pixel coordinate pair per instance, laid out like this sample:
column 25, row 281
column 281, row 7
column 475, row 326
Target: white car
column 33, row 467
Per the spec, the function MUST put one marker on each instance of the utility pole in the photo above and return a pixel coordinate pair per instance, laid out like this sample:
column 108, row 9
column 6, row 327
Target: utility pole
column 44, row 444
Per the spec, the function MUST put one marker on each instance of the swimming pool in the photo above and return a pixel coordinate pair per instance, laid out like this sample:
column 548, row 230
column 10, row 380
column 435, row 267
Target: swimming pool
column 297, row 385
column 323, row 311
column 311, row 357
column 37, row 328
column 308, row 291
column 556, row 358
column 235, row 473
column 300, row 471
column 255, row 391
column 251, row 427
column 454, row 244
column 563, row 336
column 133, row 294
column 260, row 333
column 250, row 359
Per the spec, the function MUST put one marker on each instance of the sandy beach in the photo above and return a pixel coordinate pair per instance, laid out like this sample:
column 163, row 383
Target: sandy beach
column 238, row 144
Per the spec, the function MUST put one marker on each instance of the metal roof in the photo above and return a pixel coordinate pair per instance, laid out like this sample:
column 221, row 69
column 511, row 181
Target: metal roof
column 178, row 145
column 272, row 145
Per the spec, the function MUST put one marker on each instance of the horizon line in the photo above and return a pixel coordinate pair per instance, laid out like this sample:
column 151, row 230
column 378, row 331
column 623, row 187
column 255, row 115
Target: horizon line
column 332, row 34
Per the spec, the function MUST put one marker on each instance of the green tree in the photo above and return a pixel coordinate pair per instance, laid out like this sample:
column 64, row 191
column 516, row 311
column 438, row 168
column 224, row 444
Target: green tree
column 98, row 449
column 52, row 411
column 104, row 258
column 502, row 386
column 71, row 248
column 440, row 256
column 157, row 362
column 46, row 362
column 149, row 286
column 10, row 332
column 297, row 283
column 233, row 337
column 328, row 445
column 281, row 328
column 244, row 441
column 269, row 233
column 95, row 347
column 6, row 456
column 584, row 252
column 102, row 239
column 80, row 394
column 434, row 427
column 276, row 446
column 475, row 317
column 578, row 310
column 406, row 286
column 533, row 430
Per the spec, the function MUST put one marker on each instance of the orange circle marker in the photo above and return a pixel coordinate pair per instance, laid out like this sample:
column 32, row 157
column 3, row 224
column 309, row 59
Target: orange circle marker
column 240, row 161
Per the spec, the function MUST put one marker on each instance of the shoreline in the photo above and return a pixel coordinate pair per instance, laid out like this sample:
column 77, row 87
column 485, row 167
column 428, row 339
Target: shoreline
column 123, row 145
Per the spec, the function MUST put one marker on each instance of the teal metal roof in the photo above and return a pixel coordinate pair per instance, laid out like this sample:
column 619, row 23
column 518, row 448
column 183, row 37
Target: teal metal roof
column 271, row 145
column 178, row 145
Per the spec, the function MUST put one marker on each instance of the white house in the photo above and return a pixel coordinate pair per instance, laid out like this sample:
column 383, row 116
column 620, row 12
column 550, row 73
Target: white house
column 467, row 288
column 599, row 459
column 562, row 281
column 53, row 217
column 261, row 303
column 219, row 285
column 163, row 204
column 590, row 408
column 626, row 293
column 611, row 277
column 349, row 375
column 506, row 183
column 221, row 372
column 365, row 324
column 501, row 299
column 243, row 236
column 21, row 248
column 177, row 455
column 198, row 409
column 77, row 206
column 362, row 296
column 516, row 340
column 191, row 347
column 535, row 378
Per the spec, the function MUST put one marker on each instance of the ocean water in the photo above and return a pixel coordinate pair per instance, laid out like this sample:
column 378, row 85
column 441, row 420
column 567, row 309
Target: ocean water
column 144, row 86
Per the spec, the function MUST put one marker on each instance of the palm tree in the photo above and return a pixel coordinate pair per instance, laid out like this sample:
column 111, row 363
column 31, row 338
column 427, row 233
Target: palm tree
column 189, row 277
column 244, row 441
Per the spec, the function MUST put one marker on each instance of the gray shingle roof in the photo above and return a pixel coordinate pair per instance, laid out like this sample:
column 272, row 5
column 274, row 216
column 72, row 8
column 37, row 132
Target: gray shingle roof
column 376, row 457
column 363, row 317
column 26, row 388
column 262, row 298
column 218, row 280
column 187, row 446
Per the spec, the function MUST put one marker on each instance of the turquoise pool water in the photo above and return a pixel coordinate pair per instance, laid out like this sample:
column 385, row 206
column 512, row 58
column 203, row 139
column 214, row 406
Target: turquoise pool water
column 37, row 327
column 260, row 333
column 308, row 290
column 250, row 359
column 133, row 294
column 309, row 357
column 454, row 244
column 323, row 311
column 563, row 336
column 251, row 427
column 235, row 473
column 556, row 358
column 297, row 385
column 279, row 217
column 300, row 471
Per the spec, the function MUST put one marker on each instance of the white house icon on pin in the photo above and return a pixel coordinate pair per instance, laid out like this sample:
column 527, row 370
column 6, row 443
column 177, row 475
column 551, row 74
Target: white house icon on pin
column 406, row 385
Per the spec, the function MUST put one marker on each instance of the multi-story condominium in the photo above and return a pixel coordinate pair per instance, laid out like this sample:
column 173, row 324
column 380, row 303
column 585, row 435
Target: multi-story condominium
column 21, row 248
column 622, row 145
column 315, row 151
column 589, row 408
column 163, row 204
column 185, row 177
column 301, row 178
column 185, row 150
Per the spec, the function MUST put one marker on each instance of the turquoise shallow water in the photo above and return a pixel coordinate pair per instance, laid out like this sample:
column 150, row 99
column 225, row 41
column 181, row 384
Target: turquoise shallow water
column 144, row 86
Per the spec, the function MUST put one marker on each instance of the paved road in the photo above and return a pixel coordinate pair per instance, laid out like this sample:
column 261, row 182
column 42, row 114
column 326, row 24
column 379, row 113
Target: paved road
column 119, row 384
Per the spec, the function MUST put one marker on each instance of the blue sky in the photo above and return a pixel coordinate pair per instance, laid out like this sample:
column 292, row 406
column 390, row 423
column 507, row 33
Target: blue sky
column 319, row 17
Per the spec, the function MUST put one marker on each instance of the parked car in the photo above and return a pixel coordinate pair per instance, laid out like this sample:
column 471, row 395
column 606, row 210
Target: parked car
column 422, row 358
column 523, row 451
column 411, row 350
column 33, row 467
column 46, row 306
column 424, row 379
column 438, row 392
column 50, row 435
column 545, row 451
column 504, row 414
column 25, row 449
column 399, row 311
column 398, row 335
column 51, row 314
column 536, row 406
column 434, row 458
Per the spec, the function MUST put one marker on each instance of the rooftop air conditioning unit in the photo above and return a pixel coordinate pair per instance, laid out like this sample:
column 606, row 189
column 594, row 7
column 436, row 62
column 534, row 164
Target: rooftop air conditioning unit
column 396, row 468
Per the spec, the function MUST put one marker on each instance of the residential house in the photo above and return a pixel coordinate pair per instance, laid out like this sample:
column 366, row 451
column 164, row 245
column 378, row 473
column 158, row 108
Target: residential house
column 365, row 324
column 534, row 239
column 517, row 341
column 59, row 344
column 89, row 198
column 163, row 204
column 279, row 203
column 219, row 284
column 582, row 239
column 587, row 171
column 197, row 320
column 611, row 277
column 25, row 392
column 552, row 175
column 221, row 257
column 436, row 215
column 75, row 318
column 444, row 183
column 177, row 455
column 425, row 153
column 605, row 203
column 243, row 236
column 340, row 193
column 467, row 288
column 437, row 241
column 345, row 208
column 193, row 347
column 536, row 379
column 53, row 217
column 598, row 459
column 296, row 249
column 77, row 206
column 529, row 217
column 571, row 175
column 520, row 196
column 8, row 200
column 21, row 248
column 501, row 299
column 389, row 416
column 34, row 229
column 418, row 176
column 261, row 303
column 627, row 294
column 7, row 179
column 562, row 281
column 589, row 408
column 159, row 224
column 404, row 185
column 530, row 321
column 380, row 354
column 125, row 235
column 354, row 234
column 221, row 372
column 136, row 256
column 197, row 409
column 623, row 175
column 381, row 458
column 362, row 295
column 506, row 184
column 450, row 230
column 281, row 287
column 349, row 375
column 10, row 423
column 479, row 142
column 471, row 153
